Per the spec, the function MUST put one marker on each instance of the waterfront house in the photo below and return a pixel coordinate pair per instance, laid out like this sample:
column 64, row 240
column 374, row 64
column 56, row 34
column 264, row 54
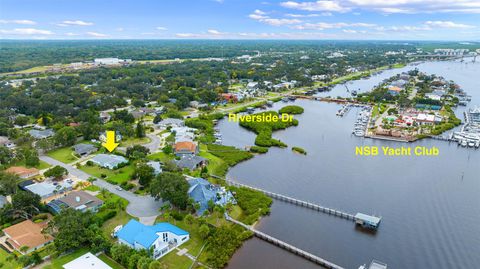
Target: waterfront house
column 185, row 148
column 23, row 172
column 78, row 200
column 202, row 191
column 427, row 119
column 161, row 238
column 27, row 234
column 84, row 149
column 394, row 90
column 109, row 161
column 191, row 162
column 87, row 261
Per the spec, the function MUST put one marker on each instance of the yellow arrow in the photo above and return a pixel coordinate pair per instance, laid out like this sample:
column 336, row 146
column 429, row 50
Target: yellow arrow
column 110, row 144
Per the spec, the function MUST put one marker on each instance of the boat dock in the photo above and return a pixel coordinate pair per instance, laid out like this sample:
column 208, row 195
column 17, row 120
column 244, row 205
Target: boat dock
column 277, row 242
column 364, row 220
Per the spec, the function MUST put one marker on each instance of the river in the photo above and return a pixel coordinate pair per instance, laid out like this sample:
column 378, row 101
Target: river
column 430, row 205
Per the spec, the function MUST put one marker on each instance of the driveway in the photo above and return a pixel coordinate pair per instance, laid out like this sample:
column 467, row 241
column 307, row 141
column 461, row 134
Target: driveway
column 139, row 206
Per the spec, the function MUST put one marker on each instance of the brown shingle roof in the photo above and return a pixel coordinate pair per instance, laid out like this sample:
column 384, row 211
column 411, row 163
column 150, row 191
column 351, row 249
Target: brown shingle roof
column 28, row 234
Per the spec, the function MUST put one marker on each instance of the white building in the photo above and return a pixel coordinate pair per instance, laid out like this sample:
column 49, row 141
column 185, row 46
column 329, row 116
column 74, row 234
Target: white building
column 161, row 238
column 86, row 261
column 106, row 61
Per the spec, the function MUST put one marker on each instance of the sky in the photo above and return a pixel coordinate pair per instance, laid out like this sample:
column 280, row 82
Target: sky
column 241, row 19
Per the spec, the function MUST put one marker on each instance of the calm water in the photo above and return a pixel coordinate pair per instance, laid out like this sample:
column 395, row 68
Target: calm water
column 430, row 205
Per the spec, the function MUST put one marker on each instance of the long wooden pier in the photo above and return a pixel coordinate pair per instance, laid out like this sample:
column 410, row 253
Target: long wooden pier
column 297, row 202
column 277, row 242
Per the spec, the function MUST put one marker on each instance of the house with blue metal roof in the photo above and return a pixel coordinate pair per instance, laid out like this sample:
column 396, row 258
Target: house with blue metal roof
column 161, row 237
column 203, row 191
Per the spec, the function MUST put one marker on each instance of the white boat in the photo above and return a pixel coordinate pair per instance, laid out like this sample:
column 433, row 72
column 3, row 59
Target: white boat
column 464, row 143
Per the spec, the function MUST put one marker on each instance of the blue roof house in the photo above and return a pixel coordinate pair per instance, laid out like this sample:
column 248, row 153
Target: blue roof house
column 161, row 237
column 203, row 191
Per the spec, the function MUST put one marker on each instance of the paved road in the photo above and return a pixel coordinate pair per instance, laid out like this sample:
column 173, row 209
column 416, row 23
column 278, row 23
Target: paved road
column 139, row 206
column 154, row 143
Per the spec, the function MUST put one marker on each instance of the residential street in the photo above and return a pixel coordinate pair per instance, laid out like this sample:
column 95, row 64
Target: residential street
column 139, row 206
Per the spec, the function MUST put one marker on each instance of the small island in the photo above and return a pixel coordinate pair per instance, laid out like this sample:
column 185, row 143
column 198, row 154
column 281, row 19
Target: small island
column 299, row 150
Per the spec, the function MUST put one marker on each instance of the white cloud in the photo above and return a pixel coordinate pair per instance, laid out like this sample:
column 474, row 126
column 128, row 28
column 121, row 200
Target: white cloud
column 325, row 25
column 120, row 29
column 26, row 31
column 214, row 32
column 302, row 15
column 262, row 17
column 76, row 23
column 448, row 24
column 388, row 6
column 333, row 6
column 183, row 35
column 25, row 22
column 161, row 28
column 71, row 34
column 95, row 34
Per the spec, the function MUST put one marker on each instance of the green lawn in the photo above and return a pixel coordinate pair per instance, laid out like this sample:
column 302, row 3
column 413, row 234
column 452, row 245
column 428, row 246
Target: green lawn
column 4, row 264
column 134, row 141
column 118, row 176
column 65, row 155
column 41, row 166
column 120, row 219
column 60, row 261
column 110, row 262
column 160, row 156
column 194, row 244
column 216, row 166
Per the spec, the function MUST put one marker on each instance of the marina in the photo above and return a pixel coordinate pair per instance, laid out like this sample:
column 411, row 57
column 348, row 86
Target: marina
column 363, row 121
column 332, row 175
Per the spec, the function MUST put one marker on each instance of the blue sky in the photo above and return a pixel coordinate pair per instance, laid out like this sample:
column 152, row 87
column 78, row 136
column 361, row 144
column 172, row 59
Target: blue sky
column 240, row 19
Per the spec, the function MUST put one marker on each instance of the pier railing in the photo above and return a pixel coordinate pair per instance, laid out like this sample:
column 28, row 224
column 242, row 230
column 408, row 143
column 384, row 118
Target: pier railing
column 297, row 202
column 277, row 242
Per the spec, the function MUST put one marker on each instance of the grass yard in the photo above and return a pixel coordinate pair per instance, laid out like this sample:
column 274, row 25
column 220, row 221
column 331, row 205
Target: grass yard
column 58, row 263
column 134, row 141
column 4, row 264
column 117, row 176
column 64, row 155
column 160, row 156
column 110, row 262
column 194, row 244
column 41, row 166
column 120, row 219
column 216, row 166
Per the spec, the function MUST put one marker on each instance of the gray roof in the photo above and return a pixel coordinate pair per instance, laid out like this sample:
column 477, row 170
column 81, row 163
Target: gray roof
column 47, row 189
column 189, row 162
column 40, row 134
column 3, row 201
column 108, row 160
column 80, row 200
column 157, row 166
column 171, row 121
column 84, row 148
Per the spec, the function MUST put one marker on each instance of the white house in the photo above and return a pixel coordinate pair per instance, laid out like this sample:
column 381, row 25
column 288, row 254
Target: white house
column 86, row 261
column 161, row 238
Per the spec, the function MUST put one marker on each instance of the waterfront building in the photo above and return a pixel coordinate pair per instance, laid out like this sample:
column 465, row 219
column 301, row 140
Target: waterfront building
column 161, row 238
